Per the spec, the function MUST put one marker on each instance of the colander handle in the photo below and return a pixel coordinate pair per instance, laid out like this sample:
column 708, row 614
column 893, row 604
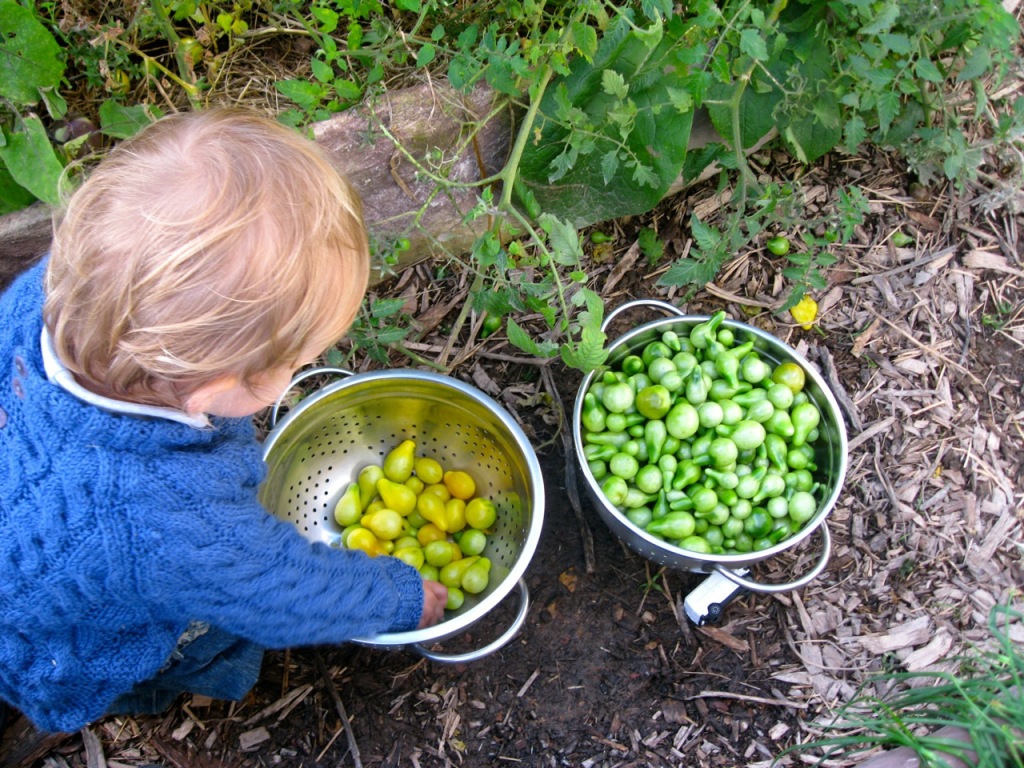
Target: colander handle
column 670, row 308
column 479, row 653
column 302, row 377
column 807, row 578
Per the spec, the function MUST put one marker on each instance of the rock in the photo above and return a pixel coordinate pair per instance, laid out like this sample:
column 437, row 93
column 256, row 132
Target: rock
column 24, row 238
column 434, row 125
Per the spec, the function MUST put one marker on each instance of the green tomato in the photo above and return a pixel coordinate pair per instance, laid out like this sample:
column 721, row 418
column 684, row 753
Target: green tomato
column 790, row 374
column 491, row 324
column 654, row 401
column 682, row 421
column 779, row 245
column 695, row 544
column 618, row 397
column 472, row 542
column 802, row 507
column 649, row 478
column 623, row 465
column 455, row 599
column 615, row 489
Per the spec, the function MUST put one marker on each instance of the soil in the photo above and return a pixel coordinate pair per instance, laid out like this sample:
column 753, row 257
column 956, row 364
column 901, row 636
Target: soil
column 921, row 345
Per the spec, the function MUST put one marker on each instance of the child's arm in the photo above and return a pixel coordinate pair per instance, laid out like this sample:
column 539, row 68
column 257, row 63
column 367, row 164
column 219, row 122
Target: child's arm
column 435, row 595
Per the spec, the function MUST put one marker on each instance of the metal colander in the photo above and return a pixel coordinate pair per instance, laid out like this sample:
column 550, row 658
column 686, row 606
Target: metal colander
column 319, row 447
column 831, row 454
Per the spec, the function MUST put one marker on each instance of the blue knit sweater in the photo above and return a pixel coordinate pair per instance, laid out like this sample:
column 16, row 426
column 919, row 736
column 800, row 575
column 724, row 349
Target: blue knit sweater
column 117, row 531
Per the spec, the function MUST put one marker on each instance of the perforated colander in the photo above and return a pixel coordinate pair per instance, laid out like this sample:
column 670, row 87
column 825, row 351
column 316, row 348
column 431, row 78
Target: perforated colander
column 319, row 447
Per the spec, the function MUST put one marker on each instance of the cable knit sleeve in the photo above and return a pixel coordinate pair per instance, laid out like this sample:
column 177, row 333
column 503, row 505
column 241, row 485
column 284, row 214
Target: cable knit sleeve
column 218, row 556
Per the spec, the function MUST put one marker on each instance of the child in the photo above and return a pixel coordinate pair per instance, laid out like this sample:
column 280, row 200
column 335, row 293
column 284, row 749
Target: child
column 199, row 266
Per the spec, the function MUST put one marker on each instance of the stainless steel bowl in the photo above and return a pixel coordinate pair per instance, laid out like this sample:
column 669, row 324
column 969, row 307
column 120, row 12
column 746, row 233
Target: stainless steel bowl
column 319, row 446
column 830, row 454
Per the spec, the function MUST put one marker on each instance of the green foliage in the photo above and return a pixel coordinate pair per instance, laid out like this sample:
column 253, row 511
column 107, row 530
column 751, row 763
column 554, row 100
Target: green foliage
column 983, row 698
column 828, row 74
column 778, row 208
column 381, row 323
column 603, row 94
column 31, row 68
column 612, row 134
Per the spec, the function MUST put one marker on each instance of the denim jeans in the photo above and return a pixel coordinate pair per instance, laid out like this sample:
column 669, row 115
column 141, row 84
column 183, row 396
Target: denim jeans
column 207, row 661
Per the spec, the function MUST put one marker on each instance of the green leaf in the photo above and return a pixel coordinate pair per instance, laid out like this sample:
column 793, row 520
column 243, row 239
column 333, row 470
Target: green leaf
column 898, row 43
column 304, row 93
column 564, row 240
column 883, row 20
column 811, row 136
column 348, row 90
column 391, row 334
column 527, row 198
column 756, row 109
column 587, row 354
column 977, row 65
column 522, row 340
column 655, row 9
column 381, row 308
column 121, row 122
column 888, row 109
column 614, row 84
column 926, row 70
column 13, row 196
column 651, row 245
column 327, row 17
column 752, row 44
column 31, row 160
column 707, row 237
column 426, row 55
column 30, row 57
column 322, row 71
column 690, row 272
column 568, row 165
column 609, row 165
column 585, row 38
column 680, row 99
column 855, row 133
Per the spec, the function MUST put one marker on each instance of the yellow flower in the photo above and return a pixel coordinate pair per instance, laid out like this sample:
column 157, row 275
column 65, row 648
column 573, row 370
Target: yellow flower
column 804, row 312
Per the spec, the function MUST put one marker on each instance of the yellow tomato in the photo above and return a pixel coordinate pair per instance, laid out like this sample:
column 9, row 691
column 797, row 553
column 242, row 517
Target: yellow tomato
column 428, row 470
column 481, row 513
column 438, row 489
column 410, row 555
column 432, row 509
column 460, row 484
column 396, row 496
column 429, row 533
column 364, row 540
column 374, row 505
column 398, row 463
column 455, row 599
column 455, row 515
column 385, row 524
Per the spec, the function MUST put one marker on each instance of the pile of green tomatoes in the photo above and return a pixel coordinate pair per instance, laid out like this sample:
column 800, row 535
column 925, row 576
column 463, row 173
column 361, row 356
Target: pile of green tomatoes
column 703, row 443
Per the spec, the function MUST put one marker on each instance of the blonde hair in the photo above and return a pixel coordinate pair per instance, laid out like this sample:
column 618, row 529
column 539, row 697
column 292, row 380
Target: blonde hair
column 212, row 243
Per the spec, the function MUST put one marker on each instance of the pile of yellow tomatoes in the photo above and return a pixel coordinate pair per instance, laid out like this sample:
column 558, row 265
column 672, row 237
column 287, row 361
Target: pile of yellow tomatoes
column 412, row 508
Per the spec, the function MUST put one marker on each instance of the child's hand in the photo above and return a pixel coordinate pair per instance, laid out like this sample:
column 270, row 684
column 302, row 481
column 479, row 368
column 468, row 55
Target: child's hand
column 435, row 595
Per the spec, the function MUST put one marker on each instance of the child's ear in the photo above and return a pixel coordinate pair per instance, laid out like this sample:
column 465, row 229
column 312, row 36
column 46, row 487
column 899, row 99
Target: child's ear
column 201, row 399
